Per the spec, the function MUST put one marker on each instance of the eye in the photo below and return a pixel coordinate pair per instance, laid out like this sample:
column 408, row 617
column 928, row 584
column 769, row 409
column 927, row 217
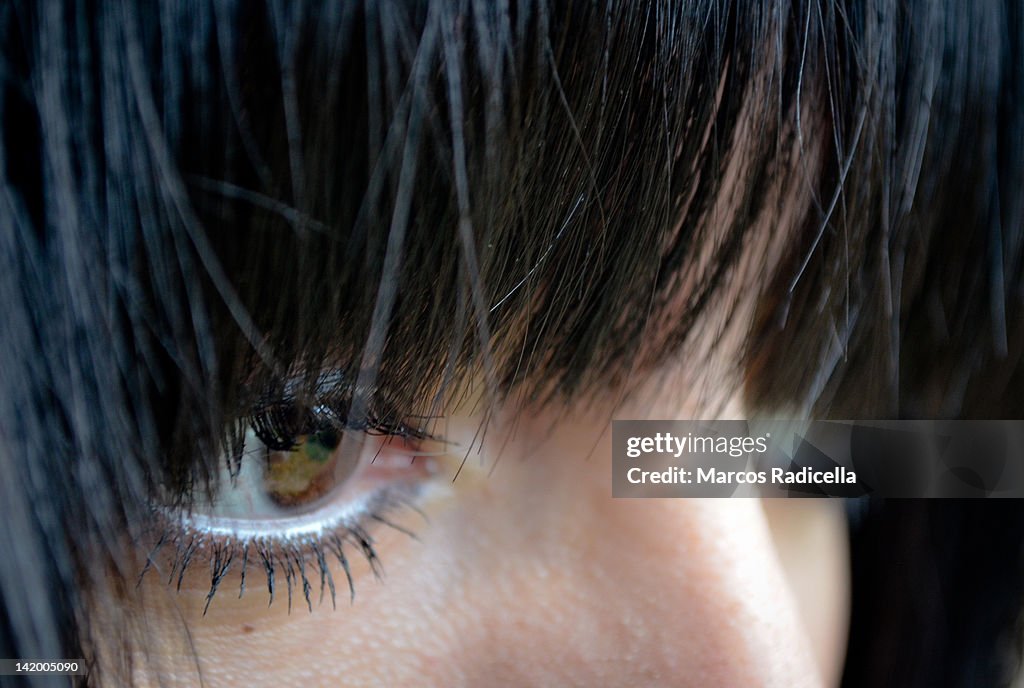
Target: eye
column 293, row 505
column 325, row 480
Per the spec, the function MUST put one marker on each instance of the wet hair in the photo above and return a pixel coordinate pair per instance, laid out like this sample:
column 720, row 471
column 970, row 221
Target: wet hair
column 208, row 206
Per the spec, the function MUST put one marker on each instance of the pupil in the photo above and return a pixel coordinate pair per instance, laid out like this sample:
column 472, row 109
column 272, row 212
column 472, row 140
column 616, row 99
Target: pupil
column 319, row 445
column 327, row 438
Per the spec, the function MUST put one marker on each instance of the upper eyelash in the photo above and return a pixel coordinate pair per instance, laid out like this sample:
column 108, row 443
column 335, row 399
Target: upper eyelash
column 279, row 424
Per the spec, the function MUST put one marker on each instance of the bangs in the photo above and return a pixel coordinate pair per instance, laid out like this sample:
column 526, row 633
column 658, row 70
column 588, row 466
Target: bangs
column 225, row 205
column 417, row 199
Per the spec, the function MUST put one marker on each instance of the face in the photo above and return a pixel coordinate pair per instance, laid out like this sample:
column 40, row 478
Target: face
column 525, row 571
column 522, row 569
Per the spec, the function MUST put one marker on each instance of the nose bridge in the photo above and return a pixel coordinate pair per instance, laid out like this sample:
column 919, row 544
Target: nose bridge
column 706, row 588
column 654, row 592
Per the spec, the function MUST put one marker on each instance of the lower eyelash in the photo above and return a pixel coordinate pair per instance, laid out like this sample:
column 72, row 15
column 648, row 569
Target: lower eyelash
column 295, row 558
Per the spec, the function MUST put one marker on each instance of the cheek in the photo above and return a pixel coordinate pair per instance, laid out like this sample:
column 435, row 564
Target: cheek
column 531, row 575
column 593, row 591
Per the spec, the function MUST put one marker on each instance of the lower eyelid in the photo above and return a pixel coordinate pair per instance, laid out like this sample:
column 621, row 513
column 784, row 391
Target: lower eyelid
column 292, row 560
column 306, row 525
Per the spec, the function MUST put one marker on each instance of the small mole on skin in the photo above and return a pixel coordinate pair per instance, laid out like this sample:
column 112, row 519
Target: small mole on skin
column 248, row 629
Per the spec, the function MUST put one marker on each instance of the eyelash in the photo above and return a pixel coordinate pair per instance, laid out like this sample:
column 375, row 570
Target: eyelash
column 301, row 559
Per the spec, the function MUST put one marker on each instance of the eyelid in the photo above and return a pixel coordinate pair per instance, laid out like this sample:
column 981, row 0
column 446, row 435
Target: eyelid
column 382, row 462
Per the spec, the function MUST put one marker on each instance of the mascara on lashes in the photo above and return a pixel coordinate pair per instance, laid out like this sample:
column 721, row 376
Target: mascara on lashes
column 281, row 533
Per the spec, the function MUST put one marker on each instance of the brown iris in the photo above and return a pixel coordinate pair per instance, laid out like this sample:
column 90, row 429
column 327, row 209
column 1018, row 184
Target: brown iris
column 305, row 473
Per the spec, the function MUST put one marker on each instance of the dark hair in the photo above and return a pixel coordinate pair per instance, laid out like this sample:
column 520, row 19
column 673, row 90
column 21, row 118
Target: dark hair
column 207, row 204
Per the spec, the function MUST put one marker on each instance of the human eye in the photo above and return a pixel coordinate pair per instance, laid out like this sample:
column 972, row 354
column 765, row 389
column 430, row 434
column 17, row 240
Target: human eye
column 302, row 490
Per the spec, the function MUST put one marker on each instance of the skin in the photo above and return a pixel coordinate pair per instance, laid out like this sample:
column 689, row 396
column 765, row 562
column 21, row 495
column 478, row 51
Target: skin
column 531, row 574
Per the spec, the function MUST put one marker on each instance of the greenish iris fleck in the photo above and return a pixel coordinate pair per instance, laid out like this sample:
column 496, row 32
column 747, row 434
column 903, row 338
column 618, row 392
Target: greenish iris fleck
column 319, row 446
